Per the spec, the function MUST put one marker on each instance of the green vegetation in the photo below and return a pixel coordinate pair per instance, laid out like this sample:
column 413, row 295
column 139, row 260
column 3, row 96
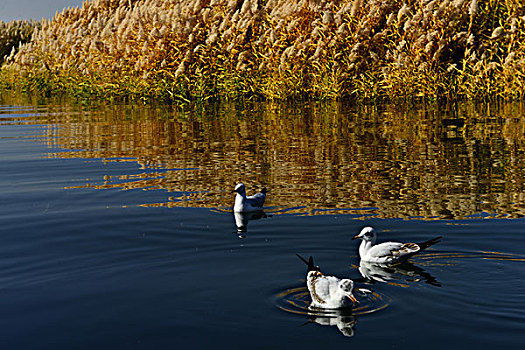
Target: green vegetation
column 278, row 49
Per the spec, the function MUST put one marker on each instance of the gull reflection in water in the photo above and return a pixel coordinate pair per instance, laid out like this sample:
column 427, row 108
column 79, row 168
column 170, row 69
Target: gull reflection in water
column 402, row 272
column 342, row 319
column 241, row 220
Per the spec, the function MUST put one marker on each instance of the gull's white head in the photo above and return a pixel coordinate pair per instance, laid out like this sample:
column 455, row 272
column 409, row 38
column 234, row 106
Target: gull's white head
column 346, row 286
column 240, row 189
column 367, row 234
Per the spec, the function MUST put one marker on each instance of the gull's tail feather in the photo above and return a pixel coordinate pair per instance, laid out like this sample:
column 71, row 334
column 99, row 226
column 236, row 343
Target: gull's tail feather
column 303, row 259
column 422, row 246
column 309, row 262
column 430, row 242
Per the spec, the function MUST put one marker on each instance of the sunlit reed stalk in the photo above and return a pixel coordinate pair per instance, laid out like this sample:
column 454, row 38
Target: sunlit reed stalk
column 277, row 49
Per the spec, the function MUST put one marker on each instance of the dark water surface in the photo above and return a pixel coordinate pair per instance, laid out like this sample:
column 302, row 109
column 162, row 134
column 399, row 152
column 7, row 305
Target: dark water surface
column 116, row 231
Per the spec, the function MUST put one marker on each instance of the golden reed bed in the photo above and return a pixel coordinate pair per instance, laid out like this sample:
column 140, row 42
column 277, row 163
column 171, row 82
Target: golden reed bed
column 277, row 49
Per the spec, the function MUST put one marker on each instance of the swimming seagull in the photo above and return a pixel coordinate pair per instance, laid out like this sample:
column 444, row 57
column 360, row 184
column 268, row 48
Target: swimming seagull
column 328, row 292
column 388, row 252
column 244, row 204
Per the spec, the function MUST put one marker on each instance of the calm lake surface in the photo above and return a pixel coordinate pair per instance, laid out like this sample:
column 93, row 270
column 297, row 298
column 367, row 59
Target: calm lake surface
column 117, row 230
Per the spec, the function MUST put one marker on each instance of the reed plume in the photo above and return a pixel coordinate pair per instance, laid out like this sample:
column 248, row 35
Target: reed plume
column 13, row 34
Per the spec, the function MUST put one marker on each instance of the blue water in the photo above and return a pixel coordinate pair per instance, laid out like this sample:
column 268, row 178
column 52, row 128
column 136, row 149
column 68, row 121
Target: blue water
column 84, row 267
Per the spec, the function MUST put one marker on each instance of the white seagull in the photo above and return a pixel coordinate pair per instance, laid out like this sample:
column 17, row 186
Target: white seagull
column 328, row 292
column 388, row 252
column 245, row 204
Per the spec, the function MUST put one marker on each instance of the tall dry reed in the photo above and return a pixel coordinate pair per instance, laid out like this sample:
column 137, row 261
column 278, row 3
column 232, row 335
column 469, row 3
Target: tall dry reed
column 13, row 34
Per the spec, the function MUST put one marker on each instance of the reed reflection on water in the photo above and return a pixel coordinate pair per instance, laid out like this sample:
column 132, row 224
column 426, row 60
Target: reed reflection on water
column 391, row 162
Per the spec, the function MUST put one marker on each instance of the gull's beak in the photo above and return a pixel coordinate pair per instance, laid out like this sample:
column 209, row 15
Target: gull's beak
column 354, row 300
column 356, row 237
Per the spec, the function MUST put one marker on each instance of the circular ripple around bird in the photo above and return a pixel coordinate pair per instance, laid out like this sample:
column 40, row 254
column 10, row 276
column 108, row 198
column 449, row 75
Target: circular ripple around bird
column 297, row 300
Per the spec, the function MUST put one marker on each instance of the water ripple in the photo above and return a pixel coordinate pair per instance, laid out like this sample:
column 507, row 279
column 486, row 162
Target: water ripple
column 297, row 300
